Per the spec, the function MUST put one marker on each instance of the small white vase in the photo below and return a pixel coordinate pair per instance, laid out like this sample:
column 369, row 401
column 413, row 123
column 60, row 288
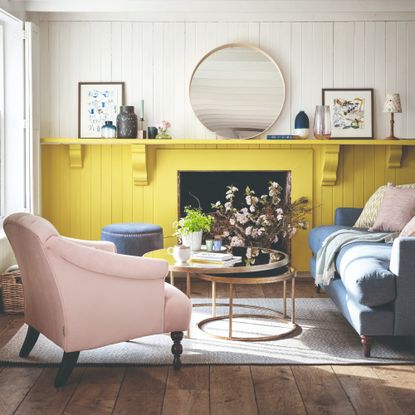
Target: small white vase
column 194, row 240
column 302, row 133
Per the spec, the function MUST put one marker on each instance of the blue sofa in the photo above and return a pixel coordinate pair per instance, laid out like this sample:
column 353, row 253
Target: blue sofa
column 374, row 286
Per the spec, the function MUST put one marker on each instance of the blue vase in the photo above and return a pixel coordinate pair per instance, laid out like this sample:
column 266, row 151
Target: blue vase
column 108, row 130
column 302, row 125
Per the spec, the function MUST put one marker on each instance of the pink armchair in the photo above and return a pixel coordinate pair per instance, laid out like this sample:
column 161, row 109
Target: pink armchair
column 83, row 295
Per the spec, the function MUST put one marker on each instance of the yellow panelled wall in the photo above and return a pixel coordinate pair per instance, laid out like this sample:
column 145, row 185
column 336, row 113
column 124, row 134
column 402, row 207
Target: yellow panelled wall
column 80, row 200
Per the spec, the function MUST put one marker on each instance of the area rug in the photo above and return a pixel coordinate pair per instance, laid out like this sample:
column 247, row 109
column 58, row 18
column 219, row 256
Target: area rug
column 324, row 338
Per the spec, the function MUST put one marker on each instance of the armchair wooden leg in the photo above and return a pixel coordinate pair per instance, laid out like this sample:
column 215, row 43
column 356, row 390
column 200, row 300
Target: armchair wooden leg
column 177, row 348
column 366, row 342
column 30, row 340
column 65, row 369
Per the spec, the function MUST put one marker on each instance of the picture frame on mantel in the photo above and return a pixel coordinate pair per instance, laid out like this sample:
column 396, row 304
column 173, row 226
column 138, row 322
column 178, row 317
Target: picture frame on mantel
column 98, row 102
column 351, row 112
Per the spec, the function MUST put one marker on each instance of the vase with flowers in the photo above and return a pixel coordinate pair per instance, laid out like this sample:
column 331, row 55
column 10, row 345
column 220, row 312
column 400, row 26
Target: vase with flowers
column 162, row 128
column 261, row 220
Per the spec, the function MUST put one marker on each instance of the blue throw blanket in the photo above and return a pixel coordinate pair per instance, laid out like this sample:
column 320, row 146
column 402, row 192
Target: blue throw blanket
column 326, row 256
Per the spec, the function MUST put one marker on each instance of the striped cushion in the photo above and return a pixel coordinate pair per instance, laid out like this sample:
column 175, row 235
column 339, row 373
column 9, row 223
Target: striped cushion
column 370, row 211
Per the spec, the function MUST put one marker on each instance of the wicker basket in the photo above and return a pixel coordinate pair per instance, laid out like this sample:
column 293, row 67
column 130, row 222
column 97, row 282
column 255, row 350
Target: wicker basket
column 12, row 292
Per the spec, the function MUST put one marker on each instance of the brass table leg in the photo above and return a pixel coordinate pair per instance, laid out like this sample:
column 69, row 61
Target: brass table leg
column 230, row 310
column 172, row 278
column 188, row 284
column 213, row 298
column 188, row 292
column 293, row 299
column 284, row 296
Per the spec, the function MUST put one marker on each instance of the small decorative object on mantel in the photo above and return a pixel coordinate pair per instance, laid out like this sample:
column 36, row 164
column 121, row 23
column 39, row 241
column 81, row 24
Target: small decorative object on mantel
column 162, row 130
column 351, row 112
column 322, row 122
column 392, row 105
column 108, row 130
column 262, row 220
column 127, row 122
column 280, row 137
column 142, row 130
column 152, row 132
column 97, row 102
column 302, row 125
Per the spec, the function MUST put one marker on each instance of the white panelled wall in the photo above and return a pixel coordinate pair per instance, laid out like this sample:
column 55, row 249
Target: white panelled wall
column 156, row 61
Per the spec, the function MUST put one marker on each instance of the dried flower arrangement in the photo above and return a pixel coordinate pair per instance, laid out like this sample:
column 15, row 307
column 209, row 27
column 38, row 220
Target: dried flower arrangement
column 262, row 221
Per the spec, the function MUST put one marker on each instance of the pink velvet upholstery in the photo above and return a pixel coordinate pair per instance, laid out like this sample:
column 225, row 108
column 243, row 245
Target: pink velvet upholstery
column 83, row 295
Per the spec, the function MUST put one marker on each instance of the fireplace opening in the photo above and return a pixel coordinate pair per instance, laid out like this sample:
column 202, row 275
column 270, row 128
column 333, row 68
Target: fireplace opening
column 207, row 187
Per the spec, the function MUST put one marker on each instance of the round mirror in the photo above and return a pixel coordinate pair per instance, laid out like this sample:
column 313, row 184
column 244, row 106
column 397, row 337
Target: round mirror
column 237, row 91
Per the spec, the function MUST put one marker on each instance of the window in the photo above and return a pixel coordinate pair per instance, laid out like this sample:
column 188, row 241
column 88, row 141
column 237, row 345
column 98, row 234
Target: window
column 18, row 137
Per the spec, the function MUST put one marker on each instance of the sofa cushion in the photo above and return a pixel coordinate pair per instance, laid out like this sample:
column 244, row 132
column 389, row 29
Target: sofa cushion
column 396, row 210
column 372, row 206
column 409, row 229
column 364, row 269
column 316, row 236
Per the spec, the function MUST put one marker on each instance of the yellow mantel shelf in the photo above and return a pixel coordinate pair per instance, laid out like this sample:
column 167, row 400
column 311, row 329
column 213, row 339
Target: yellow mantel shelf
column 330, row 148
column 202, row 142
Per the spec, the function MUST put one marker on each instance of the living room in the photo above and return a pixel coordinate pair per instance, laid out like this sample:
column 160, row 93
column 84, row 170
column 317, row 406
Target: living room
column 236, row 178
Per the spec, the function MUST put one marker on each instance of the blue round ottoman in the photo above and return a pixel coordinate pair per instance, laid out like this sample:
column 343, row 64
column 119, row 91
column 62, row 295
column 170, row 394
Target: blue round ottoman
column 133, row 238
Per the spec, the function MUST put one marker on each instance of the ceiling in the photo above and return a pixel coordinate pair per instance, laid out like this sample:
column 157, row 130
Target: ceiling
column 244, row 6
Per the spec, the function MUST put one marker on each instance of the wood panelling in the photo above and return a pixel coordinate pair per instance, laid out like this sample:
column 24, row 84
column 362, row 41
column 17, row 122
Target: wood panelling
column 156, row 61
column 79, row 201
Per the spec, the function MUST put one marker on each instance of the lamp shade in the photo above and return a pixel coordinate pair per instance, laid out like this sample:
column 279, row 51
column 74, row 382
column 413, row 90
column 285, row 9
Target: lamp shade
column 392, row 103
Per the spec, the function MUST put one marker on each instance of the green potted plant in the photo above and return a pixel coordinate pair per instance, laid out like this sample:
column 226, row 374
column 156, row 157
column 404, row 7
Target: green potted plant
column 190, row 228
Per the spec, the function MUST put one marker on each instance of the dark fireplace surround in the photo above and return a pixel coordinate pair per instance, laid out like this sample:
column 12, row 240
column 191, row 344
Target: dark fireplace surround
column 209, row 187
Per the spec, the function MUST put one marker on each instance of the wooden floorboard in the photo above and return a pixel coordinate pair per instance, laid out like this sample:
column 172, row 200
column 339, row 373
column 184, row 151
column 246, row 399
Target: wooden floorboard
column 232, row 391
column 366, row 392
column 142, row 391
column 15, row 383
column 212, row 390
column 276, row 391
column 44, row 398
column 399, row 384
column 97, row 392
column 187, row 391
column 321, row 391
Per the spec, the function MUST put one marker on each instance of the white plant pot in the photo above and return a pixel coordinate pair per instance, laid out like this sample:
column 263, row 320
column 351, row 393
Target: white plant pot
column 194, row 240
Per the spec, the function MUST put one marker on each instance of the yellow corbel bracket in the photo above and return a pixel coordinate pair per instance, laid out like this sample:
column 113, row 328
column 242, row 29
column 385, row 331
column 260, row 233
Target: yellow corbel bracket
column 75, row 155
column 331, row 161
column 393, row 156
column 139, row 162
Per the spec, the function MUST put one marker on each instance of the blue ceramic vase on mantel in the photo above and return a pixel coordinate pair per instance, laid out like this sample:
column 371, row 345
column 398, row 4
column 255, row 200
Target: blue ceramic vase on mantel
column 302, row 125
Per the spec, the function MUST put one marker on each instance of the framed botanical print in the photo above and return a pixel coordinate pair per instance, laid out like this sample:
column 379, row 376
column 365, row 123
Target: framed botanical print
column 98, row 102
column 351, row 112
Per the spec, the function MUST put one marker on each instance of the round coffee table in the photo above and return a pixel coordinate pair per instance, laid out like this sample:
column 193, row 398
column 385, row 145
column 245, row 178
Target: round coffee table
column 257, row 266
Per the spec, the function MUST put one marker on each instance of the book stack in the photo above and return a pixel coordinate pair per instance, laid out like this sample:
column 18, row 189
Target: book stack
column 217, row 259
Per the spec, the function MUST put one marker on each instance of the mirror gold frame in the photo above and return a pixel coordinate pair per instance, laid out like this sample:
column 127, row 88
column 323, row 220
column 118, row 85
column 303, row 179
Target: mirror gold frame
column 255, row 48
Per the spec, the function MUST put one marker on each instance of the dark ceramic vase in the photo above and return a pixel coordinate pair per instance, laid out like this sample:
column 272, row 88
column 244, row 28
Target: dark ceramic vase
column 127, row 122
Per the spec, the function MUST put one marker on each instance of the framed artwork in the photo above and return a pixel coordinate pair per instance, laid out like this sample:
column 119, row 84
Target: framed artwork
column 351, row 112
column 98, row 102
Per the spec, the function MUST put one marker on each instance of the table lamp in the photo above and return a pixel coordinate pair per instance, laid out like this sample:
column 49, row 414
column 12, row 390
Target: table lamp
column 392, row 105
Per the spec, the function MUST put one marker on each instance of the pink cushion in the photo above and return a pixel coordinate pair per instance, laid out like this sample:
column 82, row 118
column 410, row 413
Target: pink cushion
column 396, row 210
column 409, row 229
